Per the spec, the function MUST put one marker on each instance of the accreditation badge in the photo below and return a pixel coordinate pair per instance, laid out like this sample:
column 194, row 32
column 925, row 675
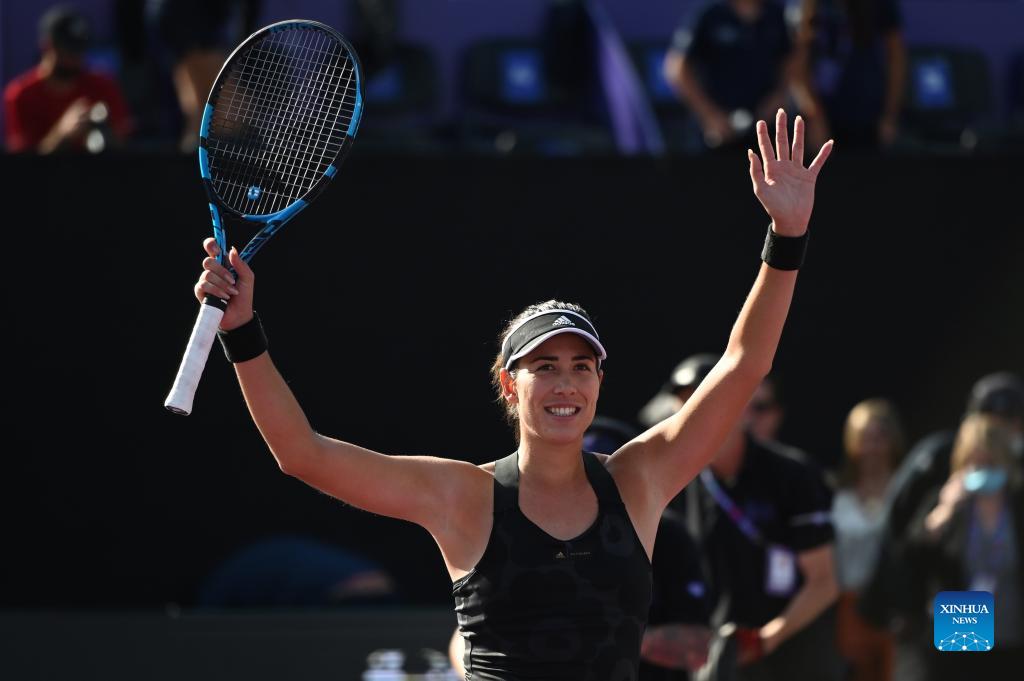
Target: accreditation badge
column 983, row 582
column 780, row 571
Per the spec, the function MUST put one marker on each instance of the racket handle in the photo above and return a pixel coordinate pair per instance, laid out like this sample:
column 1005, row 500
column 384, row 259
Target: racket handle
column 179, row 400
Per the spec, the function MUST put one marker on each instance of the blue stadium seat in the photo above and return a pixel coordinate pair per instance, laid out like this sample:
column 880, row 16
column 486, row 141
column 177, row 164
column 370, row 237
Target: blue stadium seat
column 511, row 103
column 402, row 94
column 949, row 97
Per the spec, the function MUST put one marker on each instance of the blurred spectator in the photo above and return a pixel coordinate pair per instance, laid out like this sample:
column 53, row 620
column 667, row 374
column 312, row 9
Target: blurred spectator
column 851, row 70
column 197, row 36
column 676, row 641
column 895, row 596
column 60, row 104
column 289, row 571
column 375, row 34
column 146, row 86
column 680, row 385
column 761, row 516
column 606, row 435
column 873, row 441
column 730, row 66
column 971, row 536
column 765, row 413
column 762, row 418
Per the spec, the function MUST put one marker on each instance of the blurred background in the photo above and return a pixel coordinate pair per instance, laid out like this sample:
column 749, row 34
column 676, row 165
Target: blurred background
column 568, row 77
column 510, row 152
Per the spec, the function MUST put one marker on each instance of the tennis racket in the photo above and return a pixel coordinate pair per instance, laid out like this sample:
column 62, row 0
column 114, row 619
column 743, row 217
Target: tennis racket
column 281, row 117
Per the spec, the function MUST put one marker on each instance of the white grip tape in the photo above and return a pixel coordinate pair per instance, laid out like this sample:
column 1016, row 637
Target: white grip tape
column 179, row 400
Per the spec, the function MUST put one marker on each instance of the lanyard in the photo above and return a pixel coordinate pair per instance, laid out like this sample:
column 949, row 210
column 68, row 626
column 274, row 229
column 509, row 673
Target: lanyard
column 731, row 509
column 989, row 553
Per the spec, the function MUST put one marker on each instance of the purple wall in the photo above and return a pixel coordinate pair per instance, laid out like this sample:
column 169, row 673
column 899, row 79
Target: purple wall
column 449, row 26
column 19, row 20
column 996, row 27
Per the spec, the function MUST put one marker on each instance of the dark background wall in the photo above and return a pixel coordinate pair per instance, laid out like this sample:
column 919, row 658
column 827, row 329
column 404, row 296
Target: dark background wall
column 383, row 302
column 157, row 646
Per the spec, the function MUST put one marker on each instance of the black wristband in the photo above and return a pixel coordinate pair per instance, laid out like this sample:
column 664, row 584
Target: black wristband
column 244, row 343
column 784, row 252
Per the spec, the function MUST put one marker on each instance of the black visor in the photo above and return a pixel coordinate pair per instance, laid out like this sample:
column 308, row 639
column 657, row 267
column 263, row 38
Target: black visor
column 536, row 329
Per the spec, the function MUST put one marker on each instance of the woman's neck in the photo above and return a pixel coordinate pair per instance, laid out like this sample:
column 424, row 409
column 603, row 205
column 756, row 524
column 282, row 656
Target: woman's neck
column 873, row 483
column 550, row 465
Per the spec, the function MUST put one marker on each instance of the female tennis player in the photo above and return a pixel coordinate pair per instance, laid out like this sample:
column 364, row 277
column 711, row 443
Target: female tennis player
column 549, row 548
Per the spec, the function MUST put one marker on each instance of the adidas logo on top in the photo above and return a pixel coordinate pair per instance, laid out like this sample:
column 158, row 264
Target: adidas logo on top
column 562, row 321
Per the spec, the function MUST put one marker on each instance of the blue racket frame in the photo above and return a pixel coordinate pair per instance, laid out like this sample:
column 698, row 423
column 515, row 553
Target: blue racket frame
column 272, row 222
column 180, row 399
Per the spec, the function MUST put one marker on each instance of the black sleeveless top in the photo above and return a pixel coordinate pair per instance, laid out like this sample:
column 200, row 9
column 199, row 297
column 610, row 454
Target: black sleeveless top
column 536, row 607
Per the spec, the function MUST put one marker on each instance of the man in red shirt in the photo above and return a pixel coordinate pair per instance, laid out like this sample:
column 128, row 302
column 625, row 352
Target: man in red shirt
column 56, row 104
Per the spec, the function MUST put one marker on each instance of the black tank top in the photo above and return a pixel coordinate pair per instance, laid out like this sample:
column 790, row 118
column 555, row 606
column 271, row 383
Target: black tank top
column 536, row 607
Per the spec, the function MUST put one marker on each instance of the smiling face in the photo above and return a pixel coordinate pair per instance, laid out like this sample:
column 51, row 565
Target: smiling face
column 555, row 389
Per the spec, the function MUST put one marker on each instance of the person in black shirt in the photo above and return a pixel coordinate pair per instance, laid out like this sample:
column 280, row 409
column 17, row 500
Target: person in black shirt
column 677, row 637
column 850, row 69
column 730, row 66
column 548, row 548
column 763, row 416
column 761, row 515
column 766, row 410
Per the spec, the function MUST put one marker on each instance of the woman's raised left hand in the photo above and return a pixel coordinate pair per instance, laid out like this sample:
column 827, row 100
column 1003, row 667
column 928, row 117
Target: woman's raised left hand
column 781, row 182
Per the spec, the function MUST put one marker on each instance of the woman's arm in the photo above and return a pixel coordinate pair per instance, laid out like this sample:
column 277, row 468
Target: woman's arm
column 932, row 526
column 819, row 591
column 670, row 454
column 456, row 652
column 416, row 488
column 423, row 490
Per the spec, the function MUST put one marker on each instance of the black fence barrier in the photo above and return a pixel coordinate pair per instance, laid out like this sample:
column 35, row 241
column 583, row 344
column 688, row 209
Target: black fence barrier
column 372, row 645
column 383, row 302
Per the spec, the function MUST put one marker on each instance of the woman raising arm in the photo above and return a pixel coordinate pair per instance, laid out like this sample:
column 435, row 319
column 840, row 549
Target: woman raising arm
column 549, row 548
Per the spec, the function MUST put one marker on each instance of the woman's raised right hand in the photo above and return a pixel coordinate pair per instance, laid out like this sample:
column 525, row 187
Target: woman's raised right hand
column 217, row 280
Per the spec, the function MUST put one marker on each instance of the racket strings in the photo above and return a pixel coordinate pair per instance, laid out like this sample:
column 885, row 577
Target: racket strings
column 280, row 119
column 280, row 138
column 277, row 135
column 280, row 141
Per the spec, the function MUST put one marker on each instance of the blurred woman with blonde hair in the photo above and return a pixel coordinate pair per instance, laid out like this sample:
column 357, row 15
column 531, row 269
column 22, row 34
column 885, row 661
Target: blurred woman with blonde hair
column 971, row 539
column 873, row 442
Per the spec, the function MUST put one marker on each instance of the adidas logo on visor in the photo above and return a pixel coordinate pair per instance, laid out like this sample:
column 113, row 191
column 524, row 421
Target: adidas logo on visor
column 562, row 321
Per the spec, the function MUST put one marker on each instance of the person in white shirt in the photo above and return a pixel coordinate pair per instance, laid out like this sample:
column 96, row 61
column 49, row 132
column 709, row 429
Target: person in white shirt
column 874, row 443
